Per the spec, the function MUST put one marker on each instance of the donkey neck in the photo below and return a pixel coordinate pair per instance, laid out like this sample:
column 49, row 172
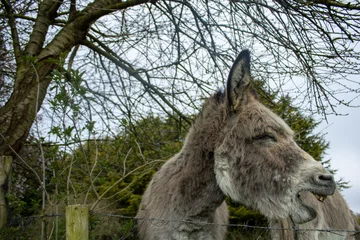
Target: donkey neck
column 200, row 194
column 198, row 182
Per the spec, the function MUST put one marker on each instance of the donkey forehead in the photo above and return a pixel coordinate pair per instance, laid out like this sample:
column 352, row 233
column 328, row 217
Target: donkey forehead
column 259, row 119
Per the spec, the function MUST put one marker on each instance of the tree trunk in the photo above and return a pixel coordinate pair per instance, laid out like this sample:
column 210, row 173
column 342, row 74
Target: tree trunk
column 17, row 116
column 35, row 64
column 5, row 170
column 33, row 76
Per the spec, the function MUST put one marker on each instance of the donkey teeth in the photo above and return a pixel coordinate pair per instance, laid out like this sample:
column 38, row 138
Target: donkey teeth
column 321, row 198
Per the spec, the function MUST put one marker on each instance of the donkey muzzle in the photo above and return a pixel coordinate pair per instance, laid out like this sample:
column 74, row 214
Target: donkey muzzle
column 324, row 185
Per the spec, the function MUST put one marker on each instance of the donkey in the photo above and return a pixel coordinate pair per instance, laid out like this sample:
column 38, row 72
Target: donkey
column 331, row 214
column 235, row 147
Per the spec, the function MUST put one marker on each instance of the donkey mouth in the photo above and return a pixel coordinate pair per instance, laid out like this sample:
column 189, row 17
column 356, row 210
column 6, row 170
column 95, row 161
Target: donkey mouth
column 320, row 198
column 322, row 192
column 303, row 212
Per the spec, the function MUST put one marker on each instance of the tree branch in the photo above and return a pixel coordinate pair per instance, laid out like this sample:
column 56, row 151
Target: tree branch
column 14, row 32
column 338, row 4
column 134, row 73
column 75, row 31
column 73, row 11
column 20, row 16
column 46, row 15
column 102, row 7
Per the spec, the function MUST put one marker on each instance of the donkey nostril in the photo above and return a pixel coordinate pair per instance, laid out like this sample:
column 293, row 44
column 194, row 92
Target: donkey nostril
column 324, row 185
column 325, row 178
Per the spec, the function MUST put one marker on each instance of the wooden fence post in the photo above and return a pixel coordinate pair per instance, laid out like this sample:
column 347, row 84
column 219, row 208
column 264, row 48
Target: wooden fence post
column 5, row 169
column 77, row 222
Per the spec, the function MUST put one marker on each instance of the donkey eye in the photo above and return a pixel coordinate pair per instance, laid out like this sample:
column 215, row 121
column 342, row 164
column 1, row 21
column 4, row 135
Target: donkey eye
column 266, row 137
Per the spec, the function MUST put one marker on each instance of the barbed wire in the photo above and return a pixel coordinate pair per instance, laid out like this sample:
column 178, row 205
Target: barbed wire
column 132, row 233
column 36, row 216
column 335, row 231
column 196, row 222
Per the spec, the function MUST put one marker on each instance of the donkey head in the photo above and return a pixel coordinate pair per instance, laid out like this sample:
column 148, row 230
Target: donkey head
column 257, row 162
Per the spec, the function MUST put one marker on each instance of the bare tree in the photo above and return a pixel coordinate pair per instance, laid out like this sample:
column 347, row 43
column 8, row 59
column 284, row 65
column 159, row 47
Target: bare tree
column 136, row 56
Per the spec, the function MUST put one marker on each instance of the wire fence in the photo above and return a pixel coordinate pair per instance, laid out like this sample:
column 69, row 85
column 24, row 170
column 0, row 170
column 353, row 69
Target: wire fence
column 109, row 226
column 240, row 227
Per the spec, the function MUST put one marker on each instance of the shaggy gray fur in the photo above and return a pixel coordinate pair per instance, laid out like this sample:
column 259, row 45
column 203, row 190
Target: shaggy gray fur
column 236, row 147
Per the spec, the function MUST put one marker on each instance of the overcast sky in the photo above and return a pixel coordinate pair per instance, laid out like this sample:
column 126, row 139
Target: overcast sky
column 343, row 133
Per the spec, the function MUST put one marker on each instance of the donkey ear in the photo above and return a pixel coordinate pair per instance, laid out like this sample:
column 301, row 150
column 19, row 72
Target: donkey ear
column 239, row 79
